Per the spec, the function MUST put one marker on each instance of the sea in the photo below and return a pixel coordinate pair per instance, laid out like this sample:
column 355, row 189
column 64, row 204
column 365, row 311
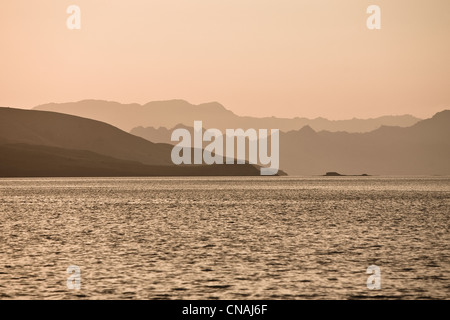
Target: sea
column 225, row 238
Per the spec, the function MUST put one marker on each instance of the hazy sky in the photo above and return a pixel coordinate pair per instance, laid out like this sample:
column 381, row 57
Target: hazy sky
column 257, row 57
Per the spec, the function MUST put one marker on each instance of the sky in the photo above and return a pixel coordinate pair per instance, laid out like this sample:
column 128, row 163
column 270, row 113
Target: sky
column 283, row 58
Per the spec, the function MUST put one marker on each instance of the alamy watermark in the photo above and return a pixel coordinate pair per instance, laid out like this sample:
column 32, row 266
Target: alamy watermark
column 374, row 281
column 74, row 280
column 373, row 21
column 74, row 20
column 214, row 152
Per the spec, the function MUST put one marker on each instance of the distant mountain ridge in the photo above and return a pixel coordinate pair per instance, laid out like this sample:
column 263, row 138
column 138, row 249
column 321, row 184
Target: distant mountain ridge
column 422, row 149
column 214, row 115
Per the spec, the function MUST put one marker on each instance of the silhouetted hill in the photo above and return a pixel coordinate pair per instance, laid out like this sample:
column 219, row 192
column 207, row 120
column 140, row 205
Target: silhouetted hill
column 173, row 112
column 41, row 143
column 22, row 160
column 71, row 132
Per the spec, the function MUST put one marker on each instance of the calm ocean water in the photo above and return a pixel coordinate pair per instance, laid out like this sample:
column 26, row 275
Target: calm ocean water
column 225, row 238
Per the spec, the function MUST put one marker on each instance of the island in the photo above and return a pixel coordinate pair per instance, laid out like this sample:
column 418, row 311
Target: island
column 336, row 174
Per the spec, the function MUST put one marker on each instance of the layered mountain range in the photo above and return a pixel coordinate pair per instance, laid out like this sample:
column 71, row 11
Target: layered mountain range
column 214, row 115
column 89, row 138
